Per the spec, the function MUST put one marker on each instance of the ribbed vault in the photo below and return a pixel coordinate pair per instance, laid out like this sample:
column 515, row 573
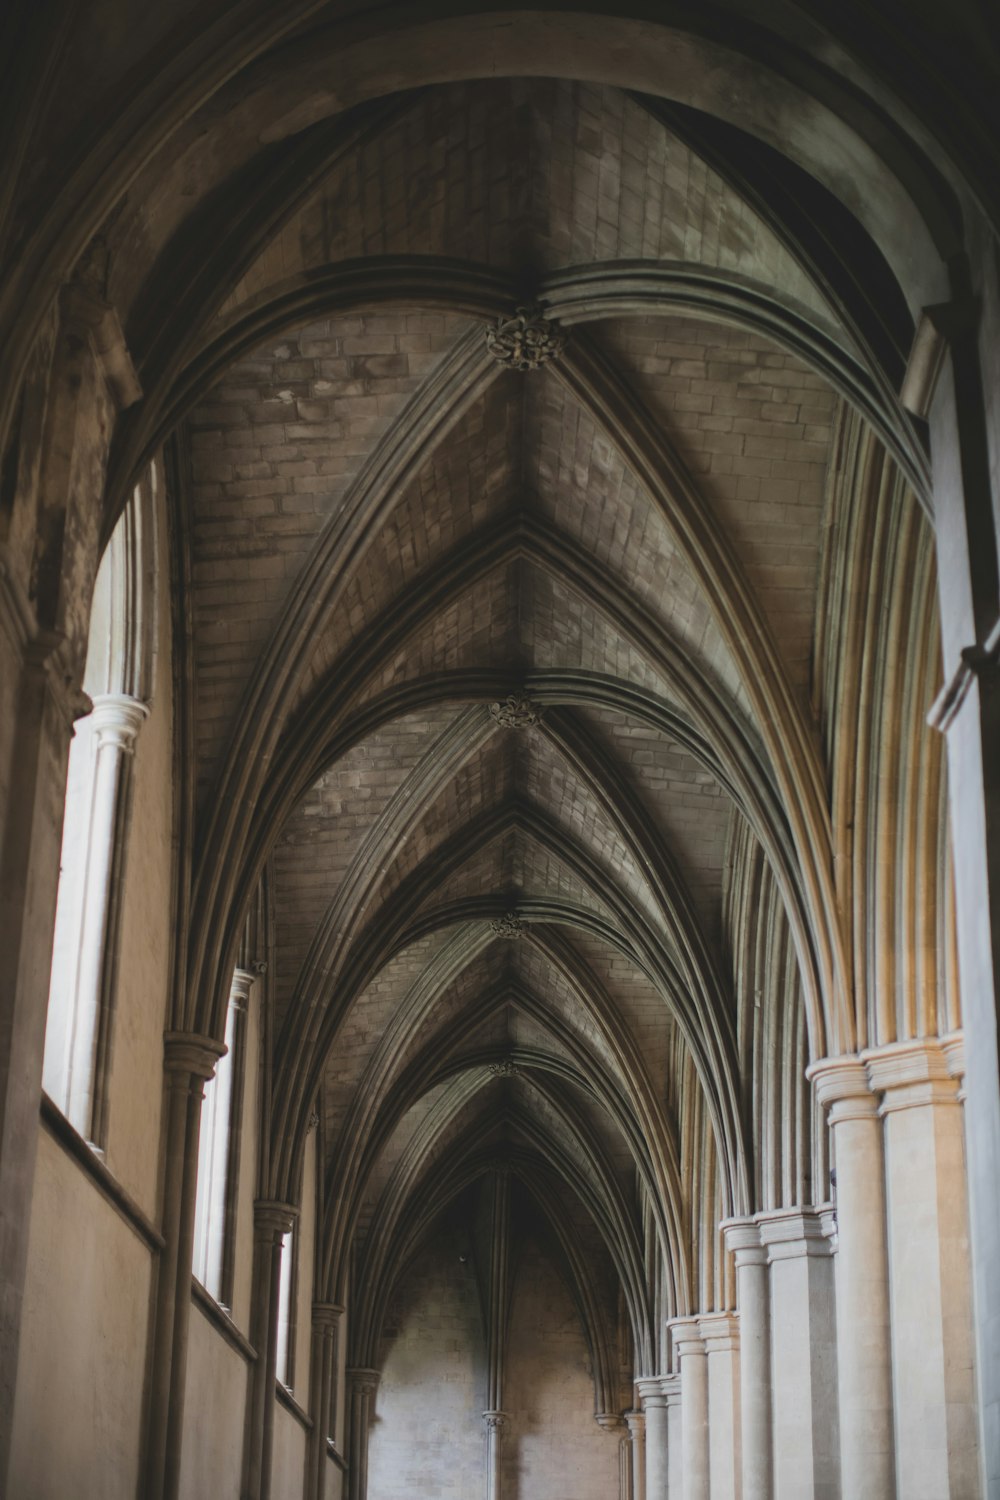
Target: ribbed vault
column 514, row 694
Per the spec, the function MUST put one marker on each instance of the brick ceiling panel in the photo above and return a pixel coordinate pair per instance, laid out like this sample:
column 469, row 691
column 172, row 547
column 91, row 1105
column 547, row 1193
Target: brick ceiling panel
column 483, row 781
column 683, row 801
column 528, row 174
column 327, row 830
column 273, row 452
column 753, row 426
column 361, row 1030
column 537, row 973
column 552, row 785
column 472, row 477
column 477, row 630
column 584, row 488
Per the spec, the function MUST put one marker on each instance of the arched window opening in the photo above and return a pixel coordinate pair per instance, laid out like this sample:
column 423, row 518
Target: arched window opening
column 286, row 1351
column 218, row 1154
column 118, row 681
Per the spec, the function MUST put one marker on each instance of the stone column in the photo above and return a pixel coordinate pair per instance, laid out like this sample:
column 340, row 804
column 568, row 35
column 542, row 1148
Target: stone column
column 803, row 1355
column 189, row 1062
column 654, row 1408
column 48, row 562
column 720, row 1332
column 690, row 1350
column 495, row 1423
column 637, row 1437
column 326, row 1324
column 753, row 1298
column 675, row 1471
column 272, row 1220
column 936, row 1422
column 610, row 1421
column 863, row 1362
column 117, row 719
column 364, row 1384
column 968, row 711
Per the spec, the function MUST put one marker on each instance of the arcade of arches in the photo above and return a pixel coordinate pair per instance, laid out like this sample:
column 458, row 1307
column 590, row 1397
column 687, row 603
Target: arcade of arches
column 499, row 713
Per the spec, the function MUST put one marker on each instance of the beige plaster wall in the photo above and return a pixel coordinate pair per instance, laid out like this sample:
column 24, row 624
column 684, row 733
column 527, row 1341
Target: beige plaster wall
column 427, row 1437
column 212, row 1453
column 144, row 952
column 83, row 1342
column 554, row 1447
column 288, row 1471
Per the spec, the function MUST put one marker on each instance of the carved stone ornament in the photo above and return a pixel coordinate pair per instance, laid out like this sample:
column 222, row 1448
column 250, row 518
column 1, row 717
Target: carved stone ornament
column 507, row 926
column 505, row 1069
column 515, row 712
column 526, row 341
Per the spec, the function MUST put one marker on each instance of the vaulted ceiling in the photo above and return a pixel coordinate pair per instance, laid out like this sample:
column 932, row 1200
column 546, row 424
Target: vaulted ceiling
column 493, row 672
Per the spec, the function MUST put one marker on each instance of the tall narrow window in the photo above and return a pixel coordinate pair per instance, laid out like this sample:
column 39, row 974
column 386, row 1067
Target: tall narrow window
column 117, row 679
column 218, row 1148
column 285, row 1373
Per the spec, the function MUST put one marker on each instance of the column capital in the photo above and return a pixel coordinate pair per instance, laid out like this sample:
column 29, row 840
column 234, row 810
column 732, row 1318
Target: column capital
column 364, row 1380
column 609, row 1421
column 911, row 1074
column 742, row 1239
column 651, row 1392
column 326, row 1315
column 496, row 1420
column 270, row 1216
column 842, row 1088
column 189, row 1052
column 686, row 1335
column 720, row 1331
column 789, row 1233
column 636, row 1423
column 117, row 719
column 240, row 986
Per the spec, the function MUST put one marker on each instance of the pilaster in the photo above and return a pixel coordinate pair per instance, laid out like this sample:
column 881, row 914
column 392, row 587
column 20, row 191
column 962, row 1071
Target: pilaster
column 743, row 1241
column 803, row 1354
column 929, row 1279
column 863, row 1358
column 653, row 1399
column 721, row 1334
column 363, row 1383
column 636, row 1424
column 189, row 1061
column 693, row 1359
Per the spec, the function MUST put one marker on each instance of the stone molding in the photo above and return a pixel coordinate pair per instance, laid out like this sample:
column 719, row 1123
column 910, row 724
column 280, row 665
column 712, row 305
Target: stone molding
column 117, row 719
column 85, row 313
column 525, row 341
column 190, row 1052
column 953, row 1047
column 326, row 1315
column 270, row 1216
column 720, row 1332
column 842, row 1088
column 790, row 1233
column 636, row 1424
column 651, row 1389
column 17, row 615
column 609, row 1421
column 686, row 1335
column 364, row 1380
column 496, row 1420
column 911, row 1075
column 743, row 1241
column 240, row 986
